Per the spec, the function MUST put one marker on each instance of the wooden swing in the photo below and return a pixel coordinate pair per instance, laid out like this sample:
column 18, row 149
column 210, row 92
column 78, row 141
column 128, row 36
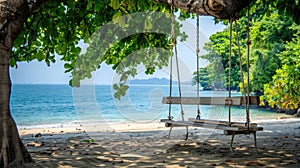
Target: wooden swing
column 229, row 127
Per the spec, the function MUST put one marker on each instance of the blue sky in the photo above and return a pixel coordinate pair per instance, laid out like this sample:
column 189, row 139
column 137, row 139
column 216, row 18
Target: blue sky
column 36, row 72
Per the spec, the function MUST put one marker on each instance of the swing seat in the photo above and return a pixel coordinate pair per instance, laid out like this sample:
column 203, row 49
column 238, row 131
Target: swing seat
column 230, row 128
column 233, row 101
column 171, row 123
column 240, row 125
column 236, row 127
column 234, row 124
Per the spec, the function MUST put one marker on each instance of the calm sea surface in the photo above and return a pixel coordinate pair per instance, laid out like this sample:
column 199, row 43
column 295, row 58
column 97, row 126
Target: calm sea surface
column 53, row 105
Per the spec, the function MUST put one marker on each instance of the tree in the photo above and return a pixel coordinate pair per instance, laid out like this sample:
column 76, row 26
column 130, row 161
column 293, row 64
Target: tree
column 286, row 79
column 269, row 37
column 291, row 8
column 12, row 16
column 204, row 78
column 38, row 30
column 225, row 9
column 219, row 52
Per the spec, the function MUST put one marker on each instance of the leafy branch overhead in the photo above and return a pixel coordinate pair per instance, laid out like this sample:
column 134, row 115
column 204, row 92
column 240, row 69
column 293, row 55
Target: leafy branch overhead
column 43, row 30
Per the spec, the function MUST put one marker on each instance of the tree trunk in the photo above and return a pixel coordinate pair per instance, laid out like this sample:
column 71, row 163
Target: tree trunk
column 13, row 153
column 13, row 13
column 221, row 9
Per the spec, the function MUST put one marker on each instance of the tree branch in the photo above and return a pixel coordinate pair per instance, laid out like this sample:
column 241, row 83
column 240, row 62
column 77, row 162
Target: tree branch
column 14, row 13
column 221, row 9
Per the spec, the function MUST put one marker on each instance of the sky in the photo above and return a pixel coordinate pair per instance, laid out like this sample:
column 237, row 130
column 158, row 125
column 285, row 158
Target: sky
column 35, row 72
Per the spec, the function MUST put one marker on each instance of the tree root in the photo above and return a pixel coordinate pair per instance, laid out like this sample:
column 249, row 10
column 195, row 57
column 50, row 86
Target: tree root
column 13, row 152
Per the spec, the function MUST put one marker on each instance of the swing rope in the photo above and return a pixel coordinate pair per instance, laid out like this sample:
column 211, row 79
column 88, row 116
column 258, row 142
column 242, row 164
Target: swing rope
column 170, row 91
column 240, row 59
column 174, row 44
column 179, row 83
column 174, row 41
column 229, row 73
column 248, row 69
column 198, row 75
column 246, row 90
column 171, row 64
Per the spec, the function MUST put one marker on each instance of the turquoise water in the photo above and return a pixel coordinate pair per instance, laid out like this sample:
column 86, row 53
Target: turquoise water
column 36, row 105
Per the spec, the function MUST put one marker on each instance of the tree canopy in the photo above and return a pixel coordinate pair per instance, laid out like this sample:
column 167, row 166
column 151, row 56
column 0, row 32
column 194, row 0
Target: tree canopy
column 75, row 21
column 38, row 30
column 274, row 48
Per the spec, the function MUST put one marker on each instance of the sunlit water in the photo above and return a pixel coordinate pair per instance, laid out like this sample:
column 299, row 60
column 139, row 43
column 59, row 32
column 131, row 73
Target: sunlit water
column 52, row 105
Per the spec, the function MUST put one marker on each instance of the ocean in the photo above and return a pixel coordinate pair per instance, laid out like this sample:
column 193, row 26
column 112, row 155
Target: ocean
column 54, row 105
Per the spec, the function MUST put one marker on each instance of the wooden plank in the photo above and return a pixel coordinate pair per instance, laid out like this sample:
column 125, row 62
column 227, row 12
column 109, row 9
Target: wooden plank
column 254, row 100
column 251, row 130
column 236, row 124
column 204, row 125
column 221, row 126
column 234, row 101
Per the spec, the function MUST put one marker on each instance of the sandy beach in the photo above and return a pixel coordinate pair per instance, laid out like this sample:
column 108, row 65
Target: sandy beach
column 147, row 145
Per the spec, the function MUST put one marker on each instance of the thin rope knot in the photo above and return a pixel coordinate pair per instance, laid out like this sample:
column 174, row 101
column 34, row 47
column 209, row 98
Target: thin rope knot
column 174, row 41
column 228, row 101
column 172, row 45
column 248, row 28
column 234, row 17
column 170, row 2
column 248, row 42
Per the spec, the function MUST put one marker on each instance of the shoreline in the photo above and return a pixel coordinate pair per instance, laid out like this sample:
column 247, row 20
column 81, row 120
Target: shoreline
column 78, row 123
column 147, row 145
column 120, row 126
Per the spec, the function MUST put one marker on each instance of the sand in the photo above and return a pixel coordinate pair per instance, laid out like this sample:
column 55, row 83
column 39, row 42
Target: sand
column 147, row 145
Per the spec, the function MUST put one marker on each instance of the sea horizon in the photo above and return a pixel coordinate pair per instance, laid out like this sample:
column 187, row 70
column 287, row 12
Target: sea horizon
column 56, row 105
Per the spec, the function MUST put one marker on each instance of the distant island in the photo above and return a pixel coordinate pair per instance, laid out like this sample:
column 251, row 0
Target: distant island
column 156, row 81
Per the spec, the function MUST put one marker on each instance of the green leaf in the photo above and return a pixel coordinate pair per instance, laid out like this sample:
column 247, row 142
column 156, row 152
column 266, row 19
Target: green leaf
column 116, row 87
column 68, row 66
column 123, row 78
column 12, row 62
column 40, row 56
column 148, row 24
column 117, row 95
column 115, row 4
column 89, row 5
column 226, row 22
column 88, row 140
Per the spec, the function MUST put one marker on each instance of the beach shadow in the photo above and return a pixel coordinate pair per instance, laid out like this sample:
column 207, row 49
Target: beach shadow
column 142, row 149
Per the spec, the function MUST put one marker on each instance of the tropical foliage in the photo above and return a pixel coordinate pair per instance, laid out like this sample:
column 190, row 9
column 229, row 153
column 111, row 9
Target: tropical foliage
column 203, row 78
column 274, row 57
column 112, row 37
column 284, row 90
column 219, row 54
column 269, row 36
column 39, row 30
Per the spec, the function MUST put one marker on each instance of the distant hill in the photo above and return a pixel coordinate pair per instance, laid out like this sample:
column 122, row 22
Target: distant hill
column 155, row 81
